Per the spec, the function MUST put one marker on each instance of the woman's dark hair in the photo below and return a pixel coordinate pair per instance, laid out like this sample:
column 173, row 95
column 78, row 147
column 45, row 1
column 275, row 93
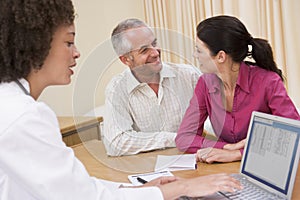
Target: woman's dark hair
column 229, row 34
column 26, row 30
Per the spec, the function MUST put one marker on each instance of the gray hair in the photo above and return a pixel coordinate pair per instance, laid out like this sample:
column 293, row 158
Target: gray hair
column 120, row 43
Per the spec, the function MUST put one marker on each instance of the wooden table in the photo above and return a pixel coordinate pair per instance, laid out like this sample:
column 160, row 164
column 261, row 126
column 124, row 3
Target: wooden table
column 92, row 154
column 74, row 130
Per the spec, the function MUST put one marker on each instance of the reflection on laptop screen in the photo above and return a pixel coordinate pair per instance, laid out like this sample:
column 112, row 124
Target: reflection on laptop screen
column 269, row 157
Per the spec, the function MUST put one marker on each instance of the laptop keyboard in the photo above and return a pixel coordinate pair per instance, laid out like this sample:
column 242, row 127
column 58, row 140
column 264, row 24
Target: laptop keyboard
column 250, row 191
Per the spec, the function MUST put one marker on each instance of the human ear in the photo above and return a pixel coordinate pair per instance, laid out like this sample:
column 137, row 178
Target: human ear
column 125, row 59
column 221, row 56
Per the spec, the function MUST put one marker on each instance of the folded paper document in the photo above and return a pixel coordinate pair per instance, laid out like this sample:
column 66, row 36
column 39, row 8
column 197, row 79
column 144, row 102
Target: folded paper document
column 176, row 162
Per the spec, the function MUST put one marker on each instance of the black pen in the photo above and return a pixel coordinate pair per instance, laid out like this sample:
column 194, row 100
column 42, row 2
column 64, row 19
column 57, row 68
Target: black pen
column 143, row 181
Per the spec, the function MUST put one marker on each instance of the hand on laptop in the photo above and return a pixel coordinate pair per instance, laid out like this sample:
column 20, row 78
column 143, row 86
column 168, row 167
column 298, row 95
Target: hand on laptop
column 200, row 186
column 210, row 155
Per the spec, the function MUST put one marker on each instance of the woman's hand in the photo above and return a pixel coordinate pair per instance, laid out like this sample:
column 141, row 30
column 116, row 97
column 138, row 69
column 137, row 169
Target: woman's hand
column 200, row 186
column 155, row 182
column 235, row 146
column 210, row 155
column 161, row 181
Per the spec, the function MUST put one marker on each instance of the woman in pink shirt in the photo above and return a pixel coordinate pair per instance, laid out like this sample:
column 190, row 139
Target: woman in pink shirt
column 230, row 90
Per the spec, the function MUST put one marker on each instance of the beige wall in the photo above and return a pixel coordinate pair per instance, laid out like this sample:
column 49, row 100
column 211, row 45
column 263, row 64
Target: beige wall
column 98, row 63
column 94, row 23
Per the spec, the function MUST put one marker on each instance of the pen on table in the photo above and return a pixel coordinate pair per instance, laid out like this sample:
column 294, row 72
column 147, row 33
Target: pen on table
column 143, row 181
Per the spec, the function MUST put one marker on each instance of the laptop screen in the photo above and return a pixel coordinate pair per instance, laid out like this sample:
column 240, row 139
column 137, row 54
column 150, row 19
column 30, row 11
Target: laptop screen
column 270, row 155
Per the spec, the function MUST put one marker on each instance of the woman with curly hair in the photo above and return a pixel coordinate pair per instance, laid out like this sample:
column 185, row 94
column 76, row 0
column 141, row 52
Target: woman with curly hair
column 37, row 50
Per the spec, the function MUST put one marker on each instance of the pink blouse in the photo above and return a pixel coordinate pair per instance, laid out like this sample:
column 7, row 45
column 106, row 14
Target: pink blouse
column 256, row 90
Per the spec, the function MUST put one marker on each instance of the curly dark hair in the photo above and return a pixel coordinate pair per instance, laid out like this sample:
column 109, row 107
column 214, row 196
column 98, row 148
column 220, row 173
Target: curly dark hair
column 26, row 31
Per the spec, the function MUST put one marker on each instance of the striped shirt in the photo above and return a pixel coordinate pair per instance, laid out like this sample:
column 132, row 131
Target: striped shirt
column 138, row 120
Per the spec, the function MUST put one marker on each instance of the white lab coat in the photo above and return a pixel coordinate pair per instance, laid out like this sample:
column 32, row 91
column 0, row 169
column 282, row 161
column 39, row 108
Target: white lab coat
column 36, row 164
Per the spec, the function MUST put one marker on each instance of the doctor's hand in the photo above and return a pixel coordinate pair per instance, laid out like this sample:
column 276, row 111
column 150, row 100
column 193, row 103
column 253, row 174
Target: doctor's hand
column 200, row 186
column 161, row 181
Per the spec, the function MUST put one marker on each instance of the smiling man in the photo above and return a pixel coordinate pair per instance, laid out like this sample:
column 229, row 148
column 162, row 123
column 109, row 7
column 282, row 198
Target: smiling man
column 145, row 103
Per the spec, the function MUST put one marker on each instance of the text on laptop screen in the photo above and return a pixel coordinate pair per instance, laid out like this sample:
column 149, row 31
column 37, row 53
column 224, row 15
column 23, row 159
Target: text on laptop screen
column 268, row 158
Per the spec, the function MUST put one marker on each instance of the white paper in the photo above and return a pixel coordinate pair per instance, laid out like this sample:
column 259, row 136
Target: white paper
column 176, row 162
column 148, row 176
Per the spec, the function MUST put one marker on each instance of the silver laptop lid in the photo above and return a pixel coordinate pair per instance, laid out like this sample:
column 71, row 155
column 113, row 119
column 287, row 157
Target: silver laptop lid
column 271, row 153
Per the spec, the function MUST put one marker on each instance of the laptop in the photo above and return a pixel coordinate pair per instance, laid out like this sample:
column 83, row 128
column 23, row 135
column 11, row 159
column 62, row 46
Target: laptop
column 270, row 161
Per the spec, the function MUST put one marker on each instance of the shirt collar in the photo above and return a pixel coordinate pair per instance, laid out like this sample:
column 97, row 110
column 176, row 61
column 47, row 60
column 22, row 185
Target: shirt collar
column 243, row 78
column 25, row 84
column 133, row 83
column 213, row 82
